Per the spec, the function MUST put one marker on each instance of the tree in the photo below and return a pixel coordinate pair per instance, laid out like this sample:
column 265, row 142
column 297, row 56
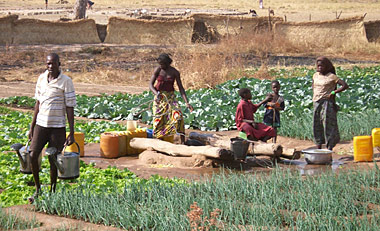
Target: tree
column 80, row 9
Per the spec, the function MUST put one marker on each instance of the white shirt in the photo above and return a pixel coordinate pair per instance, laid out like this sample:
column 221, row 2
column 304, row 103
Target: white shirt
column 54, row 97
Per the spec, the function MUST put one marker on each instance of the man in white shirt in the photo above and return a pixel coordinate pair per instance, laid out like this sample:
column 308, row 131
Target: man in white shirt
column 55, row 97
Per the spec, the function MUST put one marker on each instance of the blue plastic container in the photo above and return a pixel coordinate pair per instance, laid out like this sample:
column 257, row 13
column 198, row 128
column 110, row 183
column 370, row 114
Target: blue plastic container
column 149, row 133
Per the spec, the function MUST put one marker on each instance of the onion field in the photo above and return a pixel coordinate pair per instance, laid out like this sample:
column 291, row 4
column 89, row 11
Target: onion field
column 282, row 200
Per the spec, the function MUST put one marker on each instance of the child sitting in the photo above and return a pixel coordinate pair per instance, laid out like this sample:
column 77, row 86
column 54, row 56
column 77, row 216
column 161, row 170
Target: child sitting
column 273, row 108
column 245, row 121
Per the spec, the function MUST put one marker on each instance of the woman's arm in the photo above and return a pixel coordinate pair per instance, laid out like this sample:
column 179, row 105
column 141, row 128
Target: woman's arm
column 182, row 90
column 343, row 87
column 153, row 80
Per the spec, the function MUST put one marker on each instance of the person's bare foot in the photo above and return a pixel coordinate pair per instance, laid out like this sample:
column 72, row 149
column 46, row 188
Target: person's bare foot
column 35, row 196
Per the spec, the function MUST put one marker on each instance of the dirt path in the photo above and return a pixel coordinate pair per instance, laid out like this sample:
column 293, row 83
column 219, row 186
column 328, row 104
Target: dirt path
column 53, row 222
column 22, row 88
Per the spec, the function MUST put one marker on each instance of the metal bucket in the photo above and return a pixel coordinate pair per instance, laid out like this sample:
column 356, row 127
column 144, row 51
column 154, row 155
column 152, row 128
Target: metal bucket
column 239, row 147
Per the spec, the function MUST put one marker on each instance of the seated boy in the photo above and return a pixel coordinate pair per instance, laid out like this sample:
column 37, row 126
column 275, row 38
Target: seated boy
column 245, row 121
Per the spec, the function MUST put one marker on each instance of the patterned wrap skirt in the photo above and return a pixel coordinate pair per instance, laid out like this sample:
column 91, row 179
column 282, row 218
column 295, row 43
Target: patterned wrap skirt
column 168, row 118
column 325, row 123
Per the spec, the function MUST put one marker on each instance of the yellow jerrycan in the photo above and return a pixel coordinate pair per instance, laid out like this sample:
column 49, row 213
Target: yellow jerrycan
column 363, row 149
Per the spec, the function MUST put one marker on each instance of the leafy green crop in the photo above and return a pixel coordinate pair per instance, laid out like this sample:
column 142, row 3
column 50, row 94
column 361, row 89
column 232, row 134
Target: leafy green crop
column 214, row 109
column 17, row 190
column 14, row 128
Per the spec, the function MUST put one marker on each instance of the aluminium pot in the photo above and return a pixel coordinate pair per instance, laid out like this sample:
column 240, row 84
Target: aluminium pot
column 318, row 156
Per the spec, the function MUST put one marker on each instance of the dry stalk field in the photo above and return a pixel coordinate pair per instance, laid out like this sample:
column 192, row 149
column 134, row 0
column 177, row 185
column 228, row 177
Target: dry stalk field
column 201, row 65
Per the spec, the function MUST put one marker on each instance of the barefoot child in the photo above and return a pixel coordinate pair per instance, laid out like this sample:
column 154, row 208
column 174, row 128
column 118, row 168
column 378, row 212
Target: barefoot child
column 325, row 124
column 245, row 121
column 273, row 108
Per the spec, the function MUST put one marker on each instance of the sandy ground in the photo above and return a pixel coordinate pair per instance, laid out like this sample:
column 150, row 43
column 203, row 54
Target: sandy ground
column 22, row 88
column 292, row 11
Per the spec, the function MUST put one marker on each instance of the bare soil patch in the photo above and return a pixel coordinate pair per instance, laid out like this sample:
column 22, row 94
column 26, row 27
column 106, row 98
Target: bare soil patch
column 23, row 88
column 53, row 222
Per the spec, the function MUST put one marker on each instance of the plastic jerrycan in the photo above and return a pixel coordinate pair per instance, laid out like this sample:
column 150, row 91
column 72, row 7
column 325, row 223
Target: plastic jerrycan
column 363, row 149
column 109, row 145
column 376, row 137
column 138, row 132
column 79, row 138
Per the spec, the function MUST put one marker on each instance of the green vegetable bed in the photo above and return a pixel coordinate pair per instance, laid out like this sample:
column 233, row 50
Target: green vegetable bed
column 214, row 109
column 14, row 129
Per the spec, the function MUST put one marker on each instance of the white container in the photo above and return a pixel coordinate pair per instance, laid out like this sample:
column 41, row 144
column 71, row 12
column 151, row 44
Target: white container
column 131, row 125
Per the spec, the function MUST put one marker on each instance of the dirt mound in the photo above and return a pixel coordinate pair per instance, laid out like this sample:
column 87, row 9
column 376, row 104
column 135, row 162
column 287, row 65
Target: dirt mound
column 150, row 157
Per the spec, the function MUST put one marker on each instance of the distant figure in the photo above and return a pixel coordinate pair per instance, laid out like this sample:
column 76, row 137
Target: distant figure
column 46, row 4
column 89, row 4
column 271, row 12
column 261, row 4
column 253, row 12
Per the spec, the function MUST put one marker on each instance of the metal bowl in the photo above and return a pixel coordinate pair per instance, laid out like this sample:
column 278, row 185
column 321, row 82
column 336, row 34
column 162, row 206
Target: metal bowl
column 318, row 156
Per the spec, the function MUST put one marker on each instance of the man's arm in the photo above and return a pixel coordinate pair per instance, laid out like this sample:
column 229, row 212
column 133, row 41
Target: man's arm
column 36, row 110
column 70, row 118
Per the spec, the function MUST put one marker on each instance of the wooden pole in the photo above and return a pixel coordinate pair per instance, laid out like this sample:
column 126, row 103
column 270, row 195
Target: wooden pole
column 180, row 150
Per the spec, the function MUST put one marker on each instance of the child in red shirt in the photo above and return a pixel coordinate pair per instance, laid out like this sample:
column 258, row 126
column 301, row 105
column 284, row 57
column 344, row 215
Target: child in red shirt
column 245, row 121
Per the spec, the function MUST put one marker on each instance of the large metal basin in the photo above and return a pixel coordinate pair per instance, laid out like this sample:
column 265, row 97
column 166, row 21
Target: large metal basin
column 318, row 156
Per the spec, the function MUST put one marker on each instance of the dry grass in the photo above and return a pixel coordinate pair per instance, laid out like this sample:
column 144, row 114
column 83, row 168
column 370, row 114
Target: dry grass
column 207, row 66
column 200, row 65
